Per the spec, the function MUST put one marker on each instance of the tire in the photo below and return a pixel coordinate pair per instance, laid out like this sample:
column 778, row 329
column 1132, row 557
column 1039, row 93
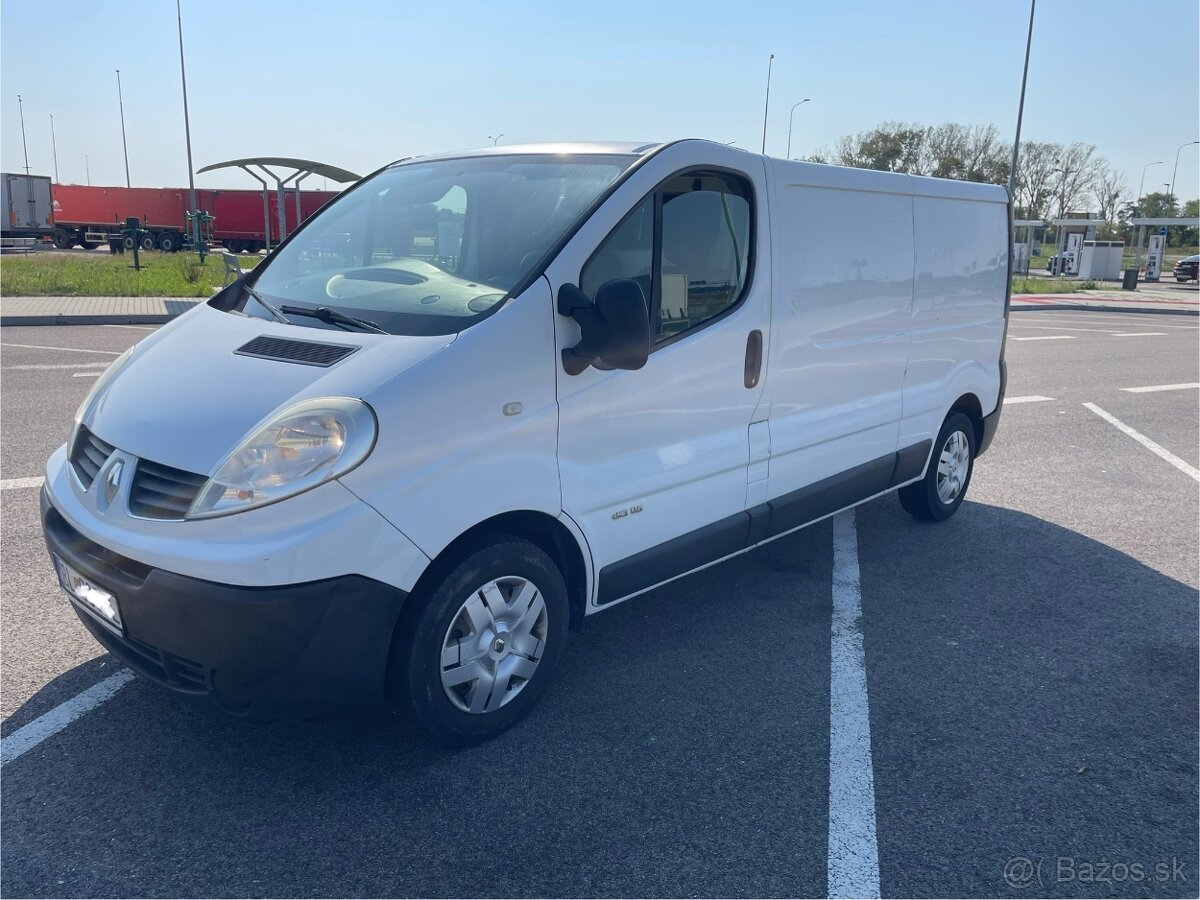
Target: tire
column 148, row 241
column 127, row 242
column 88, row 245
column 233, row 246
column 168, row 242
column 503, row 602
column 63, row 240
column 1183, row 280
column 954, row 451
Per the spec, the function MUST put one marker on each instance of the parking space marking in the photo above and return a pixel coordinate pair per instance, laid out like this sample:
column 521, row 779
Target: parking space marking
column 1154, row 388
column 1061, row 328
column 853, row 855
column 49, row 724
column 1154, row 448
column 138, row 327
column 31, row 482
column 48, row 366
column 68, row 349
column 1047, row 337
column 86, row 375
column 1033, row 398
column 1140, row 334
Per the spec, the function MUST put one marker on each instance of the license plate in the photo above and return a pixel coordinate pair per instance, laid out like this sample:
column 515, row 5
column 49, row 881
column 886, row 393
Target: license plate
column 93, row 599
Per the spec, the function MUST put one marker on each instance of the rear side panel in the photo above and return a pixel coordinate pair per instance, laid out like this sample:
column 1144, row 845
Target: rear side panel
column 26, row 204
column 959, row 302
column 77, row 204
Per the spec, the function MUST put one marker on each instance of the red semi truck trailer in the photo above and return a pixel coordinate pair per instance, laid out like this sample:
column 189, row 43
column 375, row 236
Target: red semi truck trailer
column 86, row 215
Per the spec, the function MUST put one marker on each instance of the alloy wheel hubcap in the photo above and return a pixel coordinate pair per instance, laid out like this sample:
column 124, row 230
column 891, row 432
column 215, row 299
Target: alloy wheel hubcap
column 494, row 644
column 953, row 466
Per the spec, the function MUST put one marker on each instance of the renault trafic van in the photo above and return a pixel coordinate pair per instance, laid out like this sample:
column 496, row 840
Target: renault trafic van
column 482, row 396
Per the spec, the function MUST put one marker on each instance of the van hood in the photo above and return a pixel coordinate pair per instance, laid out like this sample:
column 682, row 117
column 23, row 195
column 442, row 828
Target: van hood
column 186, row 398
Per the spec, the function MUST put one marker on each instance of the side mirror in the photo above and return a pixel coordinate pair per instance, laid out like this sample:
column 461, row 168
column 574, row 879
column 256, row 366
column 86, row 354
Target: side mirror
column 615, row 329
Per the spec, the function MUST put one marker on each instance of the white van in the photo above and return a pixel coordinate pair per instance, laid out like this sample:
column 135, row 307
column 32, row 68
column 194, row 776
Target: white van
column 482, row 396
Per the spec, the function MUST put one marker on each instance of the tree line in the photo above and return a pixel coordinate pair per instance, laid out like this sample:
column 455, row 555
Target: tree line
column 1053, row 180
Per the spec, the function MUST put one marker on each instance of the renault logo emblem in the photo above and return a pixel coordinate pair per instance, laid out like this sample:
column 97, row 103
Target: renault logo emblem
column 112, row 483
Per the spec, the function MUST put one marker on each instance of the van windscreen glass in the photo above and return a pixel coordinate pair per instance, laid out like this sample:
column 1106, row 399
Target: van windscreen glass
column 433, row 247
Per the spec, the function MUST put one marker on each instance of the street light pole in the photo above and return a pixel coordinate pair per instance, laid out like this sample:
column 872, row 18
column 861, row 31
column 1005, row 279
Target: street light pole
column 1176, row 170
column 87, row 168
column 21, row 109
column 495, row 140
column 767, row 102
column 124, row 144
column 54, row 146
column 1137, row 211
column 1012, row 172
column 187, row 131
column 792, row 116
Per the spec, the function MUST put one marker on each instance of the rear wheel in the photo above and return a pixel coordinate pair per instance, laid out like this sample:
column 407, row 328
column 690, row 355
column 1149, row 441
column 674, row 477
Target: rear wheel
column 148, row 241
column 233, row 246
column 939, row 494
column 168, row 242
column 476, row 649
column 63, row 240
column 128, row 242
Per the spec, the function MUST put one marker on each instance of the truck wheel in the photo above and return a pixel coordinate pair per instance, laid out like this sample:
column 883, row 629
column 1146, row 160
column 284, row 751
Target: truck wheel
column 476, row 648
column 88, row 245
column 167, row 242
column 149, row 241
column 939, row 494
column 127, row 242
column 233, row 246
column 62, row 240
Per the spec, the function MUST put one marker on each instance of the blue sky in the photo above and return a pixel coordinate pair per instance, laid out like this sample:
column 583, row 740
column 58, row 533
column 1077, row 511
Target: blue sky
column 358, row 83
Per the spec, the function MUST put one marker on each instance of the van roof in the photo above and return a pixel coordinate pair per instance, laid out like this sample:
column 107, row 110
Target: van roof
column 562, row 148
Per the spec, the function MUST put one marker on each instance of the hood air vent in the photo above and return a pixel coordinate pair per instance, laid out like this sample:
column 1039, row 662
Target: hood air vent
column 306, row 353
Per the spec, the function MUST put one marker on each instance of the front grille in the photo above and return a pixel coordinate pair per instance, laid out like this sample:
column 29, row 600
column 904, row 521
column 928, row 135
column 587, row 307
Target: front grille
column 160, row 492
column 88, row 455
column 175, row 670
column 307, row 353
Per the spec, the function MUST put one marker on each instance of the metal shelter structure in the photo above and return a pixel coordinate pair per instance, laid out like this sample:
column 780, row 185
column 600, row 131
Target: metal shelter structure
column 301, row 169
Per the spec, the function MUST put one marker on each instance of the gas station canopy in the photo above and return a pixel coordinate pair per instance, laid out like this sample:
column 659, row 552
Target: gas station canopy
column 301, row 169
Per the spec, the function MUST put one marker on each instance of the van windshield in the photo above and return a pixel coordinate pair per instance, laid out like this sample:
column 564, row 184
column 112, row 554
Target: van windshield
column 433, row 247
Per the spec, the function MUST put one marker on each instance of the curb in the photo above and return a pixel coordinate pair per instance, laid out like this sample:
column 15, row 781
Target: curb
column 117, row 319
column 1078, row 307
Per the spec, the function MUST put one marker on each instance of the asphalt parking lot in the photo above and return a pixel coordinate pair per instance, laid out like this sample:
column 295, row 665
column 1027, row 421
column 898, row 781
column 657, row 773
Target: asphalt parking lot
column 1030, row 668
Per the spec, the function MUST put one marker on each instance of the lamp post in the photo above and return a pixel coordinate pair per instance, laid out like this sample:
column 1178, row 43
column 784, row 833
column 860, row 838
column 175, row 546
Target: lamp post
column 1176, row 170
column 187, row 131
column 54, row 146
column 495, row 140
column 21, row 109
column 124, row 144
column 1137, row 211
column 791, row 117
column 1012, row 172
column 767, row 102
column 87, row 168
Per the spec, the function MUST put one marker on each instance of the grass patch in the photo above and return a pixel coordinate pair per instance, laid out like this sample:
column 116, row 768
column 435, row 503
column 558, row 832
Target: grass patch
column 1051, row 286
column 96, row 275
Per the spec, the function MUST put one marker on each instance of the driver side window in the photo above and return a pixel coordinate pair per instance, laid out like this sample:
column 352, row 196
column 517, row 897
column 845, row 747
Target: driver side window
column 698, row 264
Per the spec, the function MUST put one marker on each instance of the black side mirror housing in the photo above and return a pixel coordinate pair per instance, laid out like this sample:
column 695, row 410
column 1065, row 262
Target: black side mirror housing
column 615, row 329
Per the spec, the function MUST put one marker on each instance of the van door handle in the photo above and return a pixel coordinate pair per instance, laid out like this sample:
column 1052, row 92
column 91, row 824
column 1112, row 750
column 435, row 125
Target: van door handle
column 753, row 358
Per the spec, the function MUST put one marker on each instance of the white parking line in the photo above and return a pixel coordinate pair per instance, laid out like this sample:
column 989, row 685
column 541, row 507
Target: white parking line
column 1162, row 387
column 48, row 366
column 1145, row 442
column 68, row 349
column 1032, row 398
column 1140, row 334
column 853, row 856
column 138, row 327
column 31, row 482
column 29, row 736
column 86, row 375
column 1048, row 337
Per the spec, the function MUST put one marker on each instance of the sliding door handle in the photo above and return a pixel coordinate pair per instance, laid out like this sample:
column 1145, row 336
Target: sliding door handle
column 753, row 358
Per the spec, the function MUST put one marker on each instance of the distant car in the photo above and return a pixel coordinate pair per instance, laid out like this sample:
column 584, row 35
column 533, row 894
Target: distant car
column 1187, row 268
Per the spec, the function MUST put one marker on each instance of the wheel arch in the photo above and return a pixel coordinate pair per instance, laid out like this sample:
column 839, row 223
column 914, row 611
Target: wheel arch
column 969, row 405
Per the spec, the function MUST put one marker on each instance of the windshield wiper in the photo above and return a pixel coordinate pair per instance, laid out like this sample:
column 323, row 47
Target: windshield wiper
column 265, row 305
column 333, row 317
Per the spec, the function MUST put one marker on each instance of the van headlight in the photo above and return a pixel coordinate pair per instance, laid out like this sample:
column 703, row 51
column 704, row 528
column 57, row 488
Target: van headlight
column 297, row 449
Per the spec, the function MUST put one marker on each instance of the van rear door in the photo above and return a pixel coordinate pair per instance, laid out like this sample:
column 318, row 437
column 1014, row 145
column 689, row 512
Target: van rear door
column 653, row 462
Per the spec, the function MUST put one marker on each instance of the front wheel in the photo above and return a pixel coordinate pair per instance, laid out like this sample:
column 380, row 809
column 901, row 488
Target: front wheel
column 475, row 650
column 939, row 494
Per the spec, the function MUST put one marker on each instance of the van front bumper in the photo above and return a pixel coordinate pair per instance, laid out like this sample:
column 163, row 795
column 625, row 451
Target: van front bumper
column 318, row 648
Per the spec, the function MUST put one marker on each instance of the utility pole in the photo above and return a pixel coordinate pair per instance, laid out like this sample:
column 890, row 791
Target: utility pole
column 187, row 130
column 792, row 116
column 1012, row 173
column 54, row 147
column 767, row 102
column 87, row 169
column 28, row 180
column 124, row 145
column 495, row 140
